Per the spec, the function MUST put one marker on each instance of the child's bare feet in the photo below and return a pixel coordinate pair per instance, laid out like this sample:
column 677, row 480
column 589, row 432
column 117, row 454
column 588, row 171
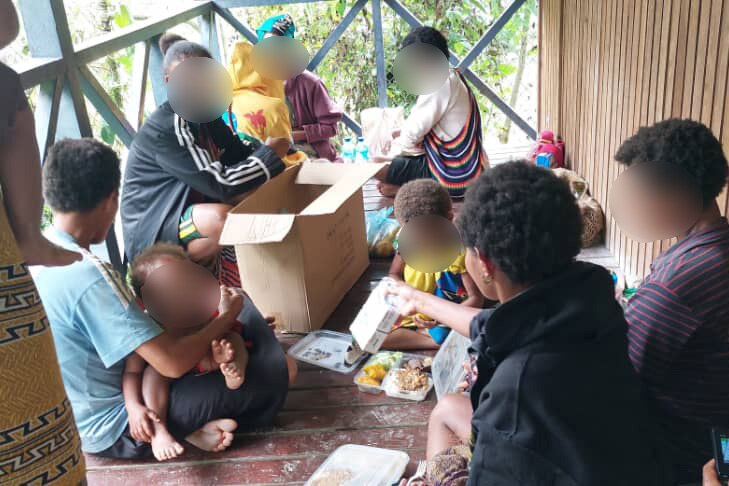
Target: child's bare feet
column 40, row 251
column 234, row 374
column 223, row 351
column 164, row 446
column 214, row 436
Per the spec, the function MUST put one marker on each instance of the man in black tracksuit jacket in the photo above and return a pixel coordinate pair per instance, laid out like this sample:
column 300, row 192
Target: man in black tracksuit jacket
column 172, row 160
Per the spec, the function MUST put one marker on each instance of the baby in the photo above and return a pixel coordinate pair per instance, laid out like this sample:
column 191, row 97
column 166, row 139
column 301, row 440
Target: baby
column 182, row 297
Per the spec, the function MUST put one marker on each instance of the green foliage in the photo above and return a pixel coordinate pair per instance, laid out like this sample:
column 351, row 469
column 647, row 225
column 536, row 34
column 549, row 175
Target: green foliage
column 46, row 218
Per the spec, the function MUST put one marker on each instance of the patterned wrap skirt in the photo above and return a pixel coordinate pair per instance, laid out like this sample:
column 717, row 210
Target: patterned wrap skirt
column 39, row 443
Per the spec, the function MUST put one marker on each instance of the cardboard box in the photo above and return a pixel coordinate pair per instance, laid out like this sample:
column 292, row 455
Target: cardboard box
column 375, row 320
column 300, row 241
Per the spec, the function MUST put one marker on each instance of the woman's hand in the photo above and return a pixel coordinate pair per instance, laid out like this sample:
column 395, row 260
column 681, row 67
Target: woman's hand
column 40, row 251
column 424, row 323
column 279, row 145
column 710, row 478
column 141, row 422
column 407, row 297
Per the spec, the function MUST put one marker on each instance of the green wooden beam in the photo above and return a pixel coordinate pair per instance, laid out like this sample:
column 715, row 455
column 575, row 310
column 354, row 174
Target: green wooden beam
column 106, row 107
column 209, row 33
column 137, row 32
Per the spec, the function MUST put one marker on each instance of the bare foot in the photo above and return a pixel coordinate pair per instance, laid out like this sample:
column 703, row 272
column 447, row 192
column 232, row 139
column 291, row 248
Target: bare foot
column 234, row 374
column 223, row 351
column 164, row 446
column 214, row 436
column 387, row 190
column 42, row 252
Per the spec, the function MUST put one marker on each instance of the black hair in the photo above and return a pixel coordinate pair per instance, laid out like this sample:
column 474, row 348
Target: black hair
column 422, row 197
column 524, row 219
column 176, row 48
column 687, row 144
column 427, row 35
column 142, row 264
column 78, row 174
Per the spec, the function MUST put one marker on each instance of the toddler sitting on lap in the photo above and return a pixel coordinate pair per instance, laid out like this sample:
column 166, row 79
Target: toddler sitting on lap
column 182, row 297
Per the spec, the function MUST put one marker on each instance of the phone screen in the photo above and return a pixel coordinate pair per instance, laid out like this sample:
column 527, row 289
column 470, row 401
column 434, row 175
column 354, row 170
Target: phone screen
column 724, row 441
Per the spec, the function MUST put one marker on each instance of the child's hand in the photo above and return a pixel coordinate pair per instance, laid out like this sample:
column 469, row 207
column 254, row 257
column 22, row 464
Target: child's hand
column 271, row 321
column 231, row 302
column 141, row 426
column 424, row 323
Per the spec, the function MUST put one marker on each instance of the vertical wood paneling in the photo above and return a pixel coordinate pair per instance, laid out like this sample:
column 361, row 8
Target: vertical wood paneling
column 608, row 67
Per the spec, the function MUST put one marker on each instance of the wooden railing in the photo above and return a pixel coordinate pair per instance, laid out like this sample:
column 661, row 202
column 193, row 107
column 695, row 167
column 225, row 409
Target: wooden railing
column 60, row 69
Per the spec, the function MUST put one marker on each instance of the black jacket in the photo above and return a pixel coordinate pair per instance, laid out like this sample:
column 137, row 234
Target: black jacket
column 556, row 401
column 170, row 156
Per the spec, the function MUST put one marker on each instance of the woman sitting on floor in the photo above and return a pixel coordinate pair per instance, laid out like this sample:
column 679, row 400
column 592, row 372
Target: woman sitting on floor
column 442, row 136
column 556, row 401
column 182, row 177
column 314, row 114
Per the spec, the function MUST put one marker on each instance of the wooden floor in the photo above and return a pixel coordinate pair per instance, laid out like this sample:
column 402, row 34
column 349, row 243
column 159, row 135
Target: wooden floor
column 324, row 411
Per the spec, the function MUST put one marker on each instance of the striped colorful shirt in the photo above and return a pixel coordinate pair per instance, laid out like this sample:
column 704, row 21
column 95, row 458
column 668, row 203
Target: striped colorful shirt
column 679, row 329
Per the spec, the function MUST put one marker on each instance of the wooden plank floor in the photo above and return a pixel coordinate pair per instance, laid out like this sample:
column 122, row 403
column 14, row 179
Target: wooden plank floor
column 324, row 410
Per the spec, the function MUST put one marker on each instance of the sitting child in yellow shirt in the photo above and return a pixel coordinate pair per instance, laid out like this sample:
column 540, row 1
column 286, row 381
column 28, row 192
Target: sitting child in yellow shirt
column 425, row 197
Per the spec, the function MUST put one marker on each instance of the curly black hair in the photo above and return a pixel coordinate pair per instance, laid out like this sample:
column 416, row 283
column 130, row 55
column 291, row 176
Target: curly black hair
column 687, row 144
column 142, row 264
column 422, row 197
column 78, row 174
column 524, row 219
column 427, row 35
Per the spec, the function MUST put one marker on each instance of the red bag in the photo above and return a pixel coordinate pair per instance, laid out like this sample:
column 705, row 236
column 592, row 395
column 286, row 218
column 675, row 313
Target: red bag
column 548, row 145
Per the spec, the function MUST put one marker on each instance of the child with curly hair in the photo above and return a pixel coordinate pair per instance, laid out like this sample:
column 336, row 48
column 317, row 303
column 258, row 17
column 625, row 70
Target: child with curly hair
column 426, row 197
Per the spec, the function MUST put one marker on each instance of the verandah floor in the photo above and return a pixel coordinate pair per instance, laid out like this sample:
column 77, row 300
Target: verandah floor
column 324, row 410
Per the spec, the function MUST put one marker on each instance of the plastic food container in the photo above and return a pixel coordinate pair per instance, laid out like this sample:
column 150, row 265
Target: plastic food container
column 392, row 390
column 376, row 389
column 448, row 369
column 356, row 465
column 326, row 349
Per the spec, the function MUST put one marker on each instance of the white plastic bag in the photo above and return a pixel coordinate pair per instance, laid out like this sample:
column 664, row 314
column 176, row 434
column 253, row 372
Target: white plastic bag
column 377, row 127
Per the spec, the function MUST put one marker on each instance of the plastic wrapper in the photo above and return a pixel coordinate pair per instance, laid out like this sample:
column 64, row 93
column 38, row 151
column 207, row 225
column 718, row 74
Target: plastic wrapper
column 381, row 232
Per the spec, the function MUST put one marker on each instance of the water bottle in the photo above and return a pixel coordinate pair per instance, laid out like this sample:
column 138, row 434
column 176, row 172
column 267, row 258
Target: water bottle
column 362, row 151
column 348, row 150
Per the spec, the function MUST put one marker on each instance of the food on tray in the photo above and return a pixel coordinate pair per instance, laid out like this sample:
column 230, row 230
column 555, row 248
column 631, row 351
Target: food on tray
column 368, row 380
column 423, row 364
column 316, row 354
column 335, row 477
column 410, row 380
column 376, row 371
column 387, row 360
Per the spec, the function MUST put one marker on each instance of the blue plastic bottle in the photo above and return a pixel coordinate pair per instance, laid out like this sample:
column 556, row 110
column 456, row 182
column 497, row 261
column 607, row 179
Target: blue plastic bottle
column 348, row 150
column 362, row 151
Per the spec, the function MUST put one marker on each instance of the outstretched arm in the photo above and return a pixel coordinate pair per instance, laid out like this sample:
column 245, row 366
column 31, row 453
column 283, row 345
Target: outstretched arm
column 456, row 316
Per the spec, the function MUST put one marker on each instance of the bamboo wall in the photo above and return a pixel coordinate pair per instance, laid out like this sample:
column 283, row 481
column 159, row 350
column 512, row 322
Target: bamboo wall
column 608, row 67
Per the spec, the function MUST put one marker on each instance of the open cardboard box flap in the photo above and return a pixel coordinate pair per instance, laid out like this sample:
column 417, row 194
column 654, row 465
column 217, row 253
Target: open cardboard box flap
column 242, row 227
column 344, row 181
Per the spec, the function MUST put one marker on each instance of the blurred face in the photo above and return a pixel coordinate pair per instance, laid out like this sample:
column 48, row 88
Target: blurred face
column 429, row 243
column 180, row 295
column 654, row 202
column 199, row 89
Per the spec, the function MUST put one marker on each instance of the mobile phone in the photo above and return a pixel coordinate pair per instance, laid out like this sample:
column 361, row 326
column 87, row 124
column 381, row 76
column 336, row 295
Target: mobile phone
column 720, row 441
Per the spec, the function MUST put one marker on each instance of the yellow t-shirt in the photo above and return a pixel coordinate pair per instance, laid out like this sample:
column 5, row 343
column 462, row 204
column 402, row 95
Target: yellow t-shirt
column 447, row 284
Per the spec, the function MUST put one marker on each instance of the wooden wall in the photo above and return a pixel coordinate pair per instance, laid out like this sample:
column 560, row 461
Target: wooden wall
column 608, row 67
